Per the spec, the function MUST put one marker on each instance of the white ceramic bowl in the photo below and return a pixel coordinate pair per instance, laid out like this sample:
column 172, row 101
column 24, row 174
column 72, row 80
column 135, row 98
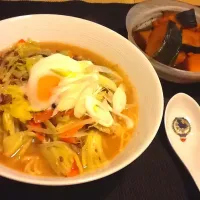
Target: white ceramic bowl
column 113, row 47
column 141, row 16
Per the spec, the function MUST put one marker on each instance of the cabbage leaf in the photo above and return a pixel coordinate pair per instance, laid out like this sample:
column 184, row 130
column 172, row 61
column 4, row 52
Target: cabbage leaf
column 17, row 144
column 92, row 152
column 20, row 107
column 8, row 123
column 60, row 157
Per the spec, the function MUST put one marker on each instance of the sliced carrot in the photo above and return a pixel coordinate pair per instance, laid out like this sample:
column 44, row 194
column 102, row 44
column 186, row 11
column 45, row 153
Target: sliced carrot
column 42, row 116
column 76, row 125
column 74, row 170
column 70, row 140
column 21, row 41
column 70, row 112
column 73, row 173
column 71, row 132
column 32, row 123
column 40, row 137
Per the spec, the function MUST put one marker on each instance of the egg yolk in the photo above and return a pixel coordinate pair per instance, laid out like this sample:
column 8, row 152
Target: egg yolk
column 45, row 87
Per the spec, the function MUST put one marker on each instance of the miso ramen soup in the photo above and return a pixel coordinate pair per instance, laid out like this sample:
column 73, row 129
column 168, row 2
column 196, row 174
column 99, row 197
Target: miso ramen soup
column 64, row 110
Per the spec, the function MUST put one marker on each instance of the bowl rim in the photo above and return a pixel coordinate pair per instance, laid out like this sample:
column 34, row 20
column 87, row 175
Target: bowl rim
column 164, row 68
column 73, row 181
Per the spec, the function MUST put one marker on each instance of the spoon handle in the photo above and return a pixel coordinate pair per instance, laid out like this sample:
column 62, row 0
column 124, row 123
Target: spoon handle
column 195, row 173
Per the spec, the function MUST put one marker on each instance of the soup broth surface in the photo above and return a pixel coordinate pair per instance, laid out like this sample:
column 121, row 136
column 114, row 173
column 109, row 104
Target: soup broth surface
column 112, row 145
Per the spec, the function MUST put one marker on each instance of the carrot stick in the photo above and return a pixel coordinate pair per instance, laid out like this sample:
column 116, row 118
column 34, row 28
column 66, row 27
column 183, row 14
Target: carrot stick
column 21, row 41
column 74, row 170
column 32, row 123
column 71, row 132
column 40, row 137
column 42, row 116
column 70, row 112
column 74, row 127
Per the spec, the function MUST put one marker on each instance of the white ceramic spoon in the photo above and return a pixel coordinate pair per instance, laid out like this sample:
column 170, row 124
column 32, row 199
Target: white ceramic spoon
column 182, row 124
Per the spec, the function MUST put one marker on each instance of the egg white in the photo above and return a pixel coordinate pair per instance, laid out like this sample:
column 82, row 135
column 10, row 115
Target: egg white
column 44, row 67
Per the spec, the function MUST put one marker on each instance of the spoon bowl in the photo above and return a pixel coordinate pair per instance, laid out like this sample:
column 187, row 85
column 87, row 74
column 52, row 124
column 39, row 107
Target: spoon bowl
column 182, row 124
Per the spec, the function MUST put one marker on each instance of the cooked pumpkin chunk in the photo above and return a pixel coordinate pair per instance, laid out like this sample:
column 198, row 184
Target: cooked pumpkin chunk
column 193, row 63
column 142, row 38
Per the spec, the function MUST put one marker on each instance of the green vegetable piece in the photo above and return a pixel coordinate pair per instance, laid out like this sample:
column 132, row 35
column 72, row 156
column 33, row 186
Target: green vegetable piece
column 92, row 152
column 31, row 61
column 20, row 107
column 8, row 123
column 50, row 126
column 28, row 49
column 66, row 53
column 60, row 157
column 107, row 83
column 101, row 95
column 26, row 144
column 12, row 143
column 61, row 72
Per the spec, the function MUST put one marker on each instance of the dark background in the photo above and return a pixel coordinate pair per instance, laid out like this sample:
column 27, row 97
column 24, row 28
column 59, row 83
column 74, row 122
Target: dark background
column 157, row 174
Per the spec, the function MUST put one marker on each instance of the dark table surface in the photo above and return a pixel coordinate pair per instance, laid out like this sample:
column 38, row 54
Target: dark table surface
column 157, row 174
